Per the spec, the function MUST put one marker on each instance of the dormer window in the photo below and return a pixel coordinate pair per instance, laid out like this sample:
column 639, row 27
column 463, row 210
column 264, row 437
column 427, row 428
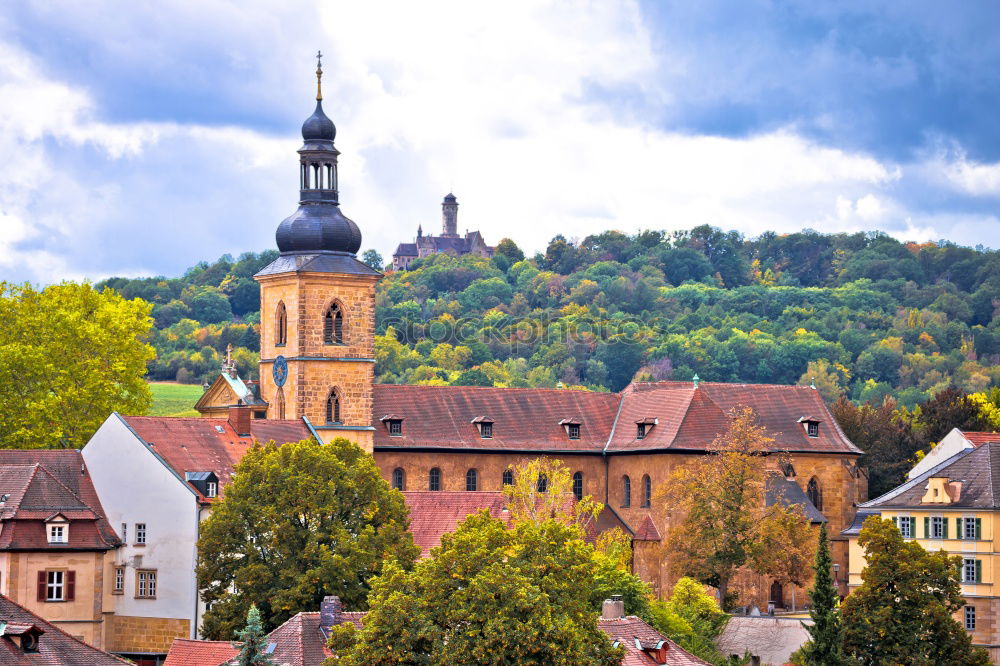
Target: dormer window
column 206, row 483
column 394, row 424
column 485, row 426
column 211, row 489
column 572, row 427
column 643, row 426
column 811, row 424
column 57, row 529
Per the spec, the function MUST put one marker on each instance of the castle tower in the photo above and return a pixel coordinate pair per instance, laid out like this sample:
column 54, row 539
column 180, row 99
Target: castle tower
column 449, row 216
column 317, row 303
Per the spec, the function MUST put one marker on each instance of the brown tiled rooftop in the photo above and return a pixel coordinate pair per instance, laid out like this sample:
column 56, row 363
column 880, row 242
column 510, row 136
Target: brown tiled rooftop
column 980, row 438
column 55, row 646
column 188, row 652
column 434, row 513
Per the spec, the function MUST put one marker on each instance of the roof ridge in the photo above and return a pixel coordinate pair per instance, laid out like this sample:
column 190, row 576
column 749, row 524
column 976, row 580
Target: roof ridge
column 584, row 391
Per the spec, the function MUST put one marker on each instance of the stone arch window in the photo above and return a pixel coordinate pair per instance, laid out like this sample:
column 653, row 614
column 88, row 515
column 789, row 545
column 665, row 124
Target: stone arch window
column 333, row 406
column 281, row 324
column 543, row 483
column 434, row 479
column 626, row 491
column 280, row 402
column 578, row 485
column 472, row 480
column 333, row 325
column 399, row 479
column 814, row 493
column 508, row 477
column 647, row 491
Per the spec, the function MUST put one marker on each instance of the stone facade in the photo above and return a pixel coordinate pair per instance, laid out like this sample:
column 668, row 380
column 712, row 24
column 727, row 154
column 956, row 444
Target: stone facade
column 149, row 635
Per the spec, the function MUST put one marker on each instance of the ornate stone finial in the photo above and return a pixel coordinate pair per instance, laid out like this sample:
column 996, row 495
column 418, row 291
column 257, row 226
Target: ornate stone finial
column 319, row 76
column 695, row 379
column 228, row 365
column 812, row 383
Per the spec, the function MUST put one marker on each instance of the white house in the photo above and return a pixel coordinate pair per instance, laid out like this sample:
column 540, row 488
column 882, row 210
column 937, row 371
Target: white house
column 952, row 443
column 157, row 478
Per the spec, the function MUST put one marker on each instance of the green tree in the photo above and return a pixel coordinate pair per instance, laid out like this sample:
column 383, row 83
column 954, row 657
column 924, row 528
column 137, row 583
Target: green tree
column 253, row 642
column 69, row 356
column 691, row 618
column 902, row 611
column 298, row 522
column 826, row 634
column 373, row 259
column 487, row 595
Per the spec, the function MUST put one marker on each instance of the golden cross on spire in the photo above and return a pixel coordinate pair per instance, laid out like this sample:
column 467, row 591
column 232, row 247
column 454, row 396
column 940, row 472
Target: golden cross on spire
column 319, row 75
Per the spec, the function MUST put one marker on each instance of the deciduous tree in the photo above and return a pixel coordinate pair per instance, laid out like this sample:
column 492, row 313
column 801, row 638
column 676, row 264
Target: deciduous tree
column 902, row 611
column 692, row 618
column 298, row 522
column 69, row 356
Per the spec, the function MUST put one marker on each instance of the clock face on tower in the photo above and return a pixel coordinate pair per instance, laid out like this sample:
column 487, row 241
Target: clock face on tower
column 279, row 370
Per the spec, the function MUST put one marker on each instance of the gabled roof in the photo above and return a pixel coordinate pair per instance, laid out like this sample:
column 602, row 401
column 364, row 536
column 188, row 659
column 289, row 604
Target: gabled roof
column 55, row 646
column 684, row 417
column 980, row 438
column 40, row 484
column 978, row 469
column 647, row 530
column 243, row 393
column 628, row 630
column 405, row 250
column 190, row 652
column 434, row 513
column 209, row 445
column 788, row 493
column 299, row 641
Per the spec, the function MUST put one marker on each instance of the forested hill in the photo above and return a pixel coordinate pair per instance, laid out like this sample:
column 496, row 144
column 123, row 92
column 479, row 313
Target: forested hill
column 861, row 314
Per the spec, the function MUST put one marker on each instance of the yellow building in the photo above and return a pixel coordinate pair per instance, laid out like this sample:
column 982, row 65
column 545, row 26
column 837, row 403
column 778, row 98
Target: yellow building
column 954, row 506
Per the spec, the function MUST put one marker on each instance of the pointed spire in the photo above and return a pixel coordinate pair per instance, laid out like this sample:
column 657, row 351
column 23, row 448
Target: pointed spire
column 319, row 76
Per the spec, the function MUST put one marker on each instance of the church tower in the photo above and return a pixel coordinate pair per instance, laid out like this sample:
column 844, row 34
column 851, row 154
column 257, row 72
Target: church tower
column 317, row 303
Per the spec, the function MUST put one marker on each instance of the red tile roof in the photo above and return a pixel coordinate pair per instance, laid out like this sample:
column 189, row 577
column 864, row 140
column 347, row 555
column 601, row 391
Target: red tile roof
column 188, row 652
column 647, row 531
column 980, row 438
column 55, row 646
column 41, row 484
column 209, row 445
column 686, row 417
column 434, row 513
column 300, row 642
column 524, row 419
column 626, row 630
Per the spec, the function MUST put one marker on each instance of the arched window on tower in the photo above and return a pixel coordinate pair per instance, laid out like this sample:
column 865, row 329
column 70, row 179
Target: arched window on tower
column 434, row 479
column 626, row 491
column 280, row 403
column 472, row 480
column 578, row 486
column 647, row 491
column 333, row 407
column 333, row 325
column 814, row 494
column 508, row 477
column 281, row 324
column 399, row 479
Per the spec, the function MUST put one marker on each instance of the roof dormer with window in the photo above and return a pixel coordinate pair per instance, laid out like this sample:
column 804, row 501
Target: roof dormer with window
column 57, row 530
column 811, row 425
column 643, row 426
column 572, row 427
column 206, row 483
column 393, row 424
column 485, row 426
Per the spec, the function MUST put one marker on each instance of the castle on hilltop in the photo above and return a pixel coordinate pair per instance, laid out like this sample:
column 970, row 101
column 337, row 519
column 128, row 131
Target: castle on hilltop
column 449, row 241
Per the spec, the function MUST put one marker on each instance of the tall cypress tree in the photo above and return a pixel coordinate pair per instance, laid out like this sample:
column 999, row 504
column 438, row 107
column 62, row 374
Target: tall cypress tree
column 253, row 641
column 825, row 646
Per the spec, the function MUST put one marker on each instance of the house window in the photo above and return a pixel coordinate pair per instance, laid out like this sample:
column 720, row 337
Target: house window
column 647, row 491
column 145, row 584
column 211, row 489
column 434, row 479
column 543, row 483
column 486, row 430
column 55, row 588
column 640, row 431
column 971, row 570
column 333, row 407
column 281, row 325
column 574, row 431
column 124, row 532
column 508, row 477
column 815, row 494
column 578, row 486
column 399, row 479
column 938, row 529
column 969, row 528
column 395, row 428
column 333, row 325
column 905, row 524
column 140, row 533
column 970, row 618
column 626, row 491
column 471, row 480
column 119, row 580
column 57, row 534
column 812, row 429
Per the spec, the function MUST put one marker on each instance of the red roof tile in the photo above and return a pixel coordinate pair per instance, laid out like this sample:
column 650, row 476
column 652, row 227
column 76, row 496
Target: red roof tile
column 647, row 531
column 626, row 629
column 980, row 438
column 55, row 646
column 434, row 513
column 188, row 652
column 210, row 445
column 299, row 642
column 524, row 419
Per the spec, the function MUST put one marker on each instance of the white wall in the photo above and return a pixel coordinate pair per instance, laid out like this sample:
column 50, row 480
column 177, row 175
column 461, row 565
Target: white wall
column 135, row 486
column 952, row 443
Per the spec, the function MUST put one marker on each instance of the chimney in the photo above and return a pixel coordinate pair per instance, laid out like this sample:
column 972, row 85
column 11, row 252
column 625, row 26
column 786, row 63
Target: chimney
column 239, row 419
column 329, row 611
column 613, row 608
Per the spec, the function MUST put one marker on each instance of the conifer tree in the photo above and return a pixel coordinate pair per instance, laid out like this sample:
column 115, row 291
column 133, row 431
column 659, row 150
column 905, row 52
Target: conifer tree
column 825, row 646
column 253, row 641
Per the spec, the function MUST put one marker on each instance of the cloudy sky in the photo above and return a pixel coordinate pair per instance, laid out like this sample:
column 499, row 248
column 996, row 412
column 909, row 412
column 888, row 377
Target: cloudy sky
column 141, row 138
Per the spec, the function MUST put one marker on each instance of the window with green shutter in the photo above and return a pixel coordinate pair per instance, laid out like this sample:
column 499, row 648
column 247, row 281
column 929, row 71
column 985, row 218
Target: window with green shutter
column 979, row 529
column 927, row 527
column 979, row 569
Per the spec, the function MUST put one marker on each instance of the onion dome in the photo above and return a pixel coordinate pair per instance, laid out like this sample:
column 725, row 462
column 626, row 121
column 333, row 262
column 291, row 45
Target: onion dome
column 318, row 127
column 318, row 228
